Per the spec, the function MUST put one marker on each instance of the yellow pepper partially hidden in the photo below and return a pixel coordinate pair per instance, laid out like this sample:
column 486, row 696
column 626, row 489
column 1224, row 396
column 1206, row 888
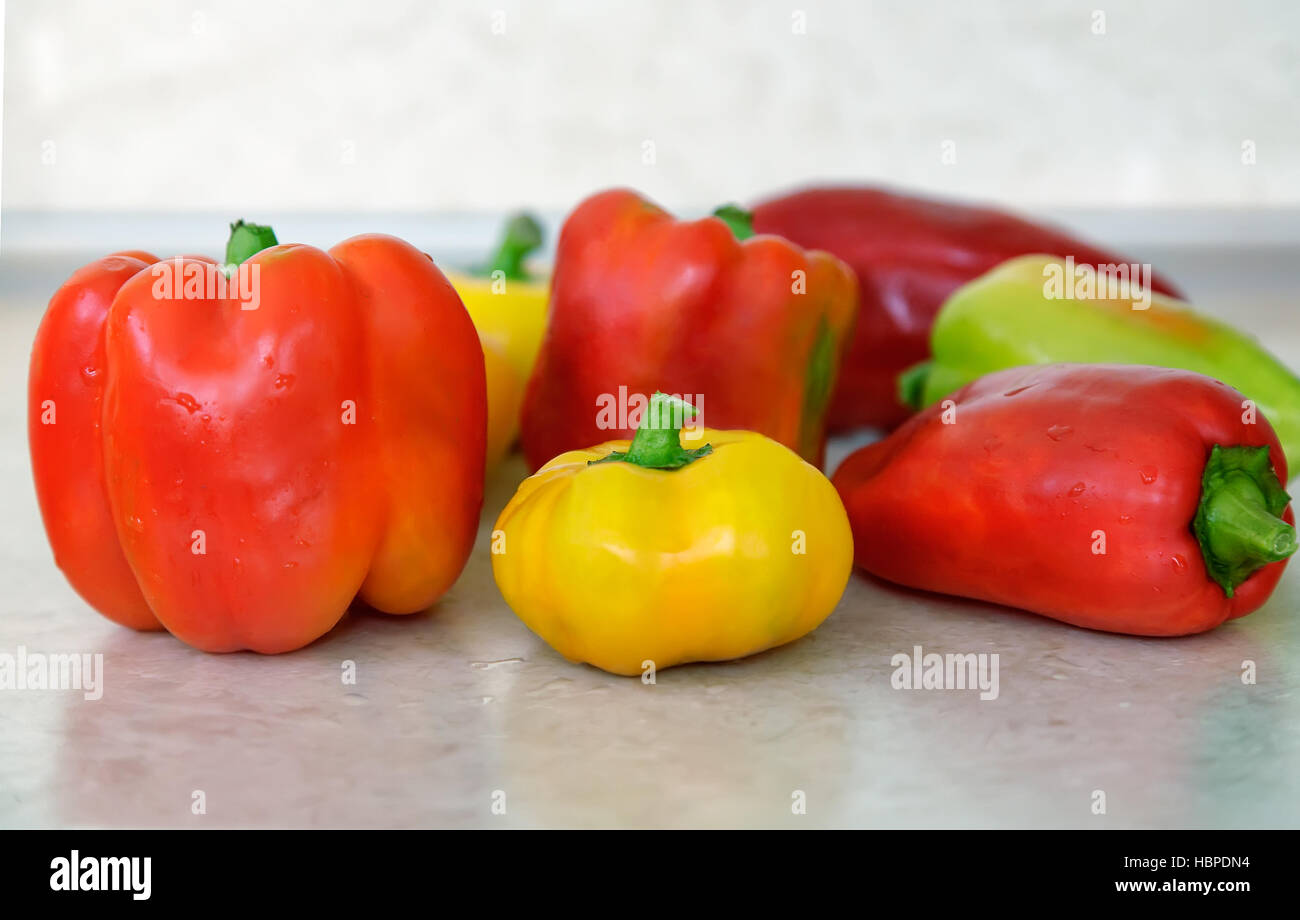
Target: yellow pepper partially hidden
column 678, row 546
column 510, row 318
column 508, row 307
column 505, row 396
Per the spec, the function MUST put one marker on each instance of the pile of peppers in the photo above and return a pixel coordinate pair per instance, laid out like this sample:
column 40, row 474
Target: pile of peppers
column 240, row 466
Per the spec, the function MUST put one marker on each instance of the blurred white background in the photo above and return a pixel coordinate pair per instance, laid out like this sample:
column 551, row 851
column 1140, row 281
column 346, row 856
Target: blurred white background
column 484, row 105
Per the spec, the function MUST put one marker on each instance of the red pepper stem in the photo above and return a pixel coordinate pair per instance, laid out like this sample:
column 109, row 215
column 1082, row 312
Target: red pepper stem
column 1242, row 521
column 657, row 443
column 247, row 240
column 1238, row 523
column 740, row 221
column 523, row 235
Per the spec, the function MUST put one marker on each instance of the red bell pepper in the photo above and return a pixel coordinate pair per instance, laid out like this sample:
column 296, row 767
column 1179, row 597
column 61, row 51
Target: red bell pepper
column 238, row 475
column 643, row 301
column 1124, row 498
column 909, row 254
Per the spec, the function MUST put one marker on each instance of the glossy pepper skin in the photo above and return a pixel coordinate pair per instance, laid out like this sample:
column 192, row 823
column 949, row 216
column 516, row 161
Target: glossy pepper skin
column 730, row 546
column 641, row 300
column 240, row 475
column 909, row 254
column 1014, row 316
column 65, row 434
column 1106, row 496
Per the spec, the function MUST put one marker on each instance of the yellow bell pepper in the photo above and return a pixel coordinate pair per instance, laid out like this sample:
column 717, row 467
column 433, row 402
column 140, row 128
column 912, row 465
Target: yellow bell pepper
column 678, row 546
column 508, row 307
column 505, row 396
column 507, row 303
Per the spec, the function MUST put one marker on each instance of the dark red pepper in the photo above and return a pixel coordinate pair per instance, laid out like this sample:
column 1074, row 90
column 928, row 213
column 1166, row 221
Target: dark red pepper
column 1125, row 498
column 909, row 254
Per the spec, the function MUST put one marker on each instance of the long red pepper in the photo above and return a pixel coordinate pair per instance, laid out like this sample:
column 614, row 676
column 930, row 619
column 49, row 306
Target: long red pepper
column 1124, row 498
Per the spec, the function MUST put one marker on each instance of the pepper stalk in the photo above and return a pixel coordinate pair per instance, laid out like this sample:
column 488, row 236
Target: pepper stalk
column 1238, row 523
column 247, row 240
column 657, row 442
column 521, row 237
column 740, row 221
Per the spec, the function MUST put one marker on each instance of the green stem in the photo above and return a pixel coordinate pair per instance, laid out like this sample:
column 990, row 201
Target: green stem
column 738, row 219
column 522, row 236
column 657, row 444
column 247, row 240
column 911, row 384
column 1238, row 522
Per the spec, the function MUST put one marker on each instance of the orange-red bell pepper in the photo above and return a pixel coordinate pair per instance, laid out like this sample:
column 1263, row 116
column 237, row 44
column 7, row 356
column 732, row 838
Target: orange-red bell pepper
column 239, row 475
column 751, row 330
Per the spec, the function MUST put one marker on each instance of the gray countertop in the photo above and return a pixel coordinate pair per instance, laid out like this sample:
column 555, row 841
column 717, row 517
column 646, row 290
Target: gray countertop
column 462, row 708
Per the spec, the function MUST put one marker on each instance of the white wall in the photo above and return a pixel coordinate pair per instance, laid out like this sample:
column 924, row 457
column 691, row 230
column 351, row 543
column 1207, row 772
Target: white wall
column 420, row 106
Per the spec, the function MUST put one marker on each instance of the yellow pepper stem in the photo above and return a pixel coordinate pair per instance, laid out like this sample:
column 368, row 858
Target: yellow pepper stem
column 523, row 235
column 657, row 444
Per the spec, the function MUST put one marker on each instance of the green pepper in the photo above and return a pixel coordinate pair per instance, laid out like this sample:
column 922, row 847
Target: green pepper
column 1043, row 310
